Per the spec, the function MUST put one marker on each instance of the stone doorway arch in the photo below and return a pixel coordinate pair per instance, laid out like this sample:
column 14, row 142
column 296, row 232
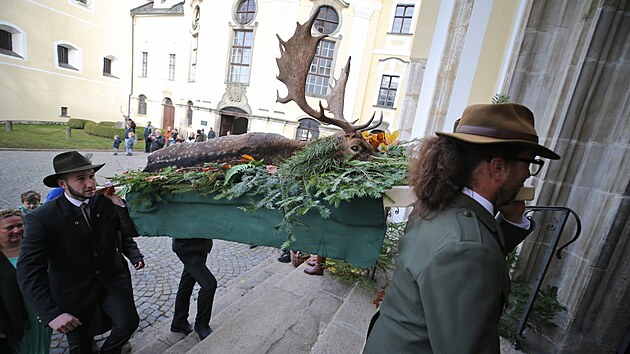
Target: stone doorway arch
column 233, row 120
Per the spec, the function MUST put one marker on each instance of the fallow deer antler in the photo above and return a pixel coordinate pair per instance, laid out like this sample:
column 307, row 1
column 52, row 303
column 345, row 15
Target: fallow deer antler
column 296, row 56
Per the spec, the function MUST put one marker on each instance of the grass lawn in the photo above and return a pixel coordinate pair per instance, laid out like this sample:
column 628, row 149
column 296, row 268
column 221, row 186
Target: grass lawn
column 27, row 136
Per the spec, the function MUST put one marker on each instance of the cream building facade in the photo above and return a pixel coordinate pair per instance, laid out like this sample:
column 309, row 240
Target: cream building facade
column 225, row 55
column 62, row 59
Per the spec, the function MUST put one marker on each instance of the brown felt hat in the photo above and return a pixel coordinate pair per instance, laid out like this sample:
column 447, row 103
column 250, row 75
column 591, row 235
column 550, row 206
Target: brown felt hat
column 69, row 162
column 507, row 123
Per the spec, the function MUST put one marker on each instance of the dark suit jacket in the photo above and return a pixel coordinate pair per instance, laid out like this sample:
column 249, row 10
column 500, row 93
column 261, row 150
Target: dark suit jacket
column 64, row 265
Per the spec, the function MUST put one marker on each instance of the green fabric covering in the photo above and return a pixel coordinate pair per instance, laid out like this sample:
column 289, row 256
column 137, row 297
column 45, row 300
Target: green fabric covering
column 354, row 232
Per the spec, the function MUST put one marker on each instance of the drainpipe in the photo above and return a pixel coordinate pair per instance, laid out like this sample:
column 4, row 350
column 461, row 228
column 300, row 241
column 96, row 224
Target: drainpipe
column 133, row 37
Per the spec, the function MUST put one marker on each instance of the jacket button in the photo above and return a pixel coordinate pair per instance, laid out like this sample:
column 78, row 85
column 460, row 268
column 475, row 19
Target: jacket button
column 95, row 255
column 467, row 213
column 76, row 222
column 98, row 272
column 98, row 216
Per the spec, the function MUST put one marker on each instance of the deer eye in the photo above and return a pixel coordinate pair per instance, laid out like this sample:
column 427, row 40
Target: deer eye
column 354, row 148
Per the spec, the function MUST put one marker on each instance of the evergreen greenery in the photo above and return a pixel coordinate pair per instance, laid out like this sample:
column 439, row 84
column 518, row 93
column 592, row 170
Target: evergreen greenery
column 312, row 180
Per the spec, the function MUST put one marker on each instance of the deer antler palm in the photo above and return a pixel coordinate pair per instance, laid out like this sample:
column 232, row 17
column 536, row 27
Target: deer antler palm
column 296, row 56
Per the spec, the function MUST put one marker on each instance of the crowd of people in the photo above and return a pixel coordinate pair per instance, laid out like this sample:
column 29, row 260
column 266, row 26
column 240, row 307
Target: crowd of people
column 63, row 262
column 155, row 138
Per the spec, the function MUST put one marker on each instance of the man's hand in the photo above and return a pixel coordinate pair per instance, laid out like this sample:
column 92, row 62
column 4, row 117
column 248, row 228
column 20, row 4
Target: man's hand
column 513, row 212
column 64, row 323
column 115, row 199
column 138, row 265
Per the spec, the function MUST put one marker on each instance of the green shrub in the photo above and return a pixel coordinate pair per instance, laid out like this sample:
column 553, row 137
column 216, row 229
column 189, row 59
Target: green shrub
column 77, row 123
column 106, row 124
column 107, row 132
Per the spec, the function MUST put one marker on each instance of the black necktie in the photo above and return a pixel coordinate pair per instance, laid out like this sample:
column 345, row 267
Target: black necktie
column 85, row 210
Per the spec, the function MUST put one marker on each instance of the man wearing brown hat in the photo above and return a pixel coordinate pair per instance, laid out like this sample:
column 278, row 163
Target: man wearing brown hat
column 451, row 279
column 70, row 263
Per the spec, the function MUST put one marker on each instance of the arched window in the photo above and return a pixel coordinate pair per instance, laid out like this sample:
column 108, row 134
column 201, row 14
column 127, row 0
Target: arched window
column 69, row 56
column 142, row 104
column 12, row 40
column 245, row 11
column 189, row 113
column 327, row 20
column 308, row 130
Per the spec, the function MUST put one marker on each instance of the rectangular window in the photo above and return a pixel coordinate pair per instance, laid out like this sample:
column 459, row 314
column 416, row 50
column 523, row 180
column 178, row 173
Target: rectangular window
column 321, row 69
column 171, row 67
column 192, row 71
column 62, row 55
column 64, row 111
column 241, row 56
column 107, row 66
column 5, row 40
column 145, row 59
column 402, row 19
column 387, row 91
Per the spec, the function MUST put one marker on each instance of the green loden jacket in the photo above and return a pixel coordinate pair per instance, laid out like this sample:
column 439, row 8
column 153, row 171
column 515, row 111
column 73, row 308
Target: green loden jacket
column 450, row 284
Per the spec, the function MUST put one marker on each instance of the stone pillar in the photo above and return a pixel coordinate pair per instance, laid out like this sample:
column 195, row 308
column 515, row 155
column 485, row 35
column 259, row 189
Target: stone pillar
column 572, row 69
column 9, row 126
column 415, row 75
column 68, row 132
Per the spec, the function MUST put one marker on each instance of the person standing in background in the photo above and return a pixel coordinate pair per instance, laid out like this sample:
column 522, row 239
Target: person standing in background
column 148, row 131
column 211, row 134
column 20, row 329
column 131, row 139
column 116, row 145
column 30, row 201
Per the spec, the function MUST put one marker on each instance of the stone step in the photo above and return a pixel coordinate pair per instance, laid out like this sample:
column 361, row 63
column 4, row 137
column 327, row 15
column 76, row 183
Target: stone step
column 160, row 339
column 345, row 334
column 288, row 318
column 239, row 293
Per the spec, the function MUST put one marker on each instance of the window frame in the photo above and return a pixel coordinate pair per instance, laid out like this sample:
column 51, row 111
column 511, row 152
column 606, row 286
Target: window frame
column 400, row 28
column 236, row 76
column 325, row 21
column 145, row 64
column 171, row 66
column 307, row 130
column 251, row 14
column 142, row 105
column 189, row 113
column 74, row 56
column 311, row 77
column 17, row 38
column 388, row 90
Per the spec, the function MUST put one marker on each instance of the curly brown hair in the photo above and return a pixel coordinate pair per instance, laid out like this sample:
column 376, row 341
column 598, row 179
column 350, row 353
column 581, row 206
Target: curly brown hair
column 443, row 167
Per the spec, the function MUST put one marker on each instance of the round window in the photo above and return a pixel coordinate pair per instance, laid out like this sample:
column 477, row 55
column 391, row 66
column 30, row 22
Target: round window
column 245, row 11
column 327, row 20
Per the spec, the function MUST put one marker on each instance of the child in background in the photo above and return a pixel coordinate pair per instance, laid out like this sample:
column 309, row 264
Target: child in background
column 30, row 201
column 131, row 138
column 117, row 142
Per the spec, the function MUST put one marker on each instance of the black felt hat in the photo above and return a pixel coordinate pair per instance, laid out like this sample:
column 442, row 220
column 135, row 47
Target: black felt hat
column 69, row 162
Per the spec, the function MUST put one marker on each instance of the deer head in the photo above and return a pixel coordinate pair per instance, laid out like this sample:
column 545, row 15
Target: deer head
column 296, row 55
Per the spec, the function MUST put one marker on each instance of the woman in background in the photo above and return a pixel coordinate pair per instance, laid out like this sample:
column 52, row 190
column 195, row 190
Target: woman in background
column 20, row 330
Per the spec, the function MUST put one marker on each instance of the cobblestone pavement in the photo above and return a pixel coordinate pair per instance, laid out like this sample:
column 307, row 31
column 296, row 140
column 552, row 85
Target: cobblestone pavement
column 155, row 286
